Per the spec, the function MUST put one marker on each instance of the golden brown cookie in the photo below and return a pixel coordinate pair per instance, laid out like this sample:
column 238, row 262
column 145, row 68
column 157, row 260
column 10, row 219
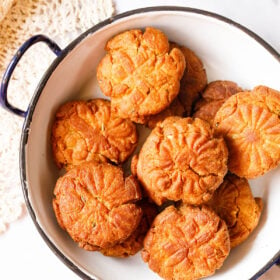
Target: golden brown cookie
column 250, row 124
column 212, row 98
column 193, row 81
column 94, row 203
column 83, row 131
column 181, row 160
column 186, row 243
column 140, row 74
column 233, row 201
column 134, row 243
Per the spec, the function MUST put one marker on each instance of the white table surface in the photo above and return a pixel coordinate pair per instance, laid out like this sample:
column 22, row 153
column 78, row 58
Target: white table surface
column 23, row 253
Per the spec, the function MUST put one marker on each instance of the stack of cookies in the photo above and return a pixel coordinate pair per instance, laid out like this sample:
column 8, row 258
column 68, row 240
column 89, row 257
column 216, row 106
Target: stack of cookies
column 187, row 201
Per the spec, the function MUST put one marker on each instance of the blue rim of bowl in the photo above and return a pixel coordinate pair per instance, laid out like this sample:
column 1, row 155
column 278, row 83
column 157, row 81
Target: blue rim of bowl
column 48, row 73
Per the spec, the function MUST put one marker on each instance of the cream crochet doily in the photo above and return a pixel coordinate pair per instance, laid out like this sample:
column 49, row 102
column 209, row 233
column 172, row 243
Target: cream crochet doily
column 62, row 21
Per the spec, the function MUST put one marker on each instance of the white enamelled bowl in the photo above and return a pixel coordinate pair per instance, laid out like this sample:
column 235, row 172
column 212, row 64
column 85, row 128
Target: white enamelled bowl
column 228, row 51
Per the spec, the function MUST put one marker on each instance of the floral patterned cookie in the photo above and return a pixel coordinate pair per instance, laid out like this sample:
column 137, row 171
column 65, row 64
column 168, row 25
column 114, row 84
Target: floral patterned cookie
column 250, row 124
column 186, row 243
column 181, row 160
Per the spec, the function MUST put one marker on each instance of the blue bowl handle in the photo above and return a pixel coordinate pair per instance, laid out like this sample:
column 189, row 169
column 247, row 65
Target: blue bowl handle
column 11, row 67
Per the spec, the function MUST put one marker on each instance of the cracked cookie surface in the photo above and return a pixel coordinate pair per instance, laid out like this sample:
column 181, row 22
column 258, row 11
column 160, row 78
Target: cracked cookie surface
column 250, row 124
column 140, row 74
column 95, row 204
column 181, row 160
column 87, row 130
column 233, row 201
column 186, row 243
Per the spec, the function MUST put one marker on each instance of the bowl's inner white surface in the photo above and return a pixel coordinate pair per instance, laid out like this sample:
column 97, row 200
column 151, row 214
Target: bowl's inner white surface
column 227, row 53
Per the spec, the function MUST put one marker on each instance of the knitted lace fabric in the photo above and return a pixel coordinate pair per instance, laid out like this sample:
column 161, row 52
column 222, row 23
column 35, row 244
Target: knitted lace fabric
column 60, row 20
column 5, row 7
